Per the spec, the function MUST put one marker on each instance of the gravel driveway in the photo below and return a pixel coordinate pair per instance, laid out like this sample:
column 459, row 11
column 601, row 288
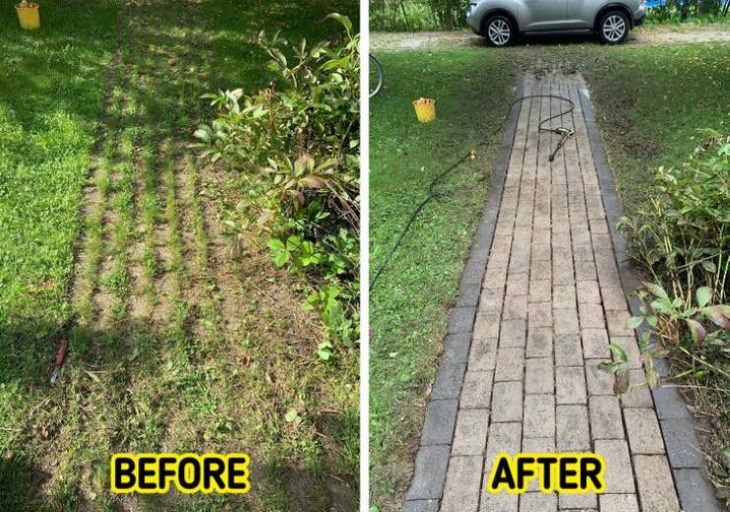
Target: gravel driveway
column 650, row 36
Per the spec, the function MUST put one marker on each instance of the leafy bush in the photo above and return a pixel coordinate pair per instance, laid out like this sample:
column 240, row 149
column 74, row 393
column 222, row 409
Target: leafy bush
column 666, row 319
column 414, row 15
column 682, row 237
column 295, row 147
column 674, row 11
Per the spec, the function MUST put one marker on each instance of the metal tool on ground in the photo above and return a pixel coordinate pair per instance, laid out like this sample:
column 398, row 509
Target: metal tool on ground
column 61, row 334
column 433, row 194
column 565, row 134
column 58, row 362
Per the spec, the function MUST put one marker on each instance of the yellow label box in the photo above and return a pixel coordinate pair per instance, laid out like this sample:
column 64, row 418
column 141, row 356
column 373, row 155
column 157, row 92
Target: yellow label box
column 567, row 473
column 155, row 473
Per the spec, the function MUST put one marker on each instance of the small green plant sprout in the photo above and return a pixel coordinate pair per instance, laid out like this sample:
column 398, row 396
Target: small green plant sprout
column 302, row 253
column 666, row 319
column 649, row 352
column 293, row 416
column 325, row 351
column 670, row 317
column 236, row 230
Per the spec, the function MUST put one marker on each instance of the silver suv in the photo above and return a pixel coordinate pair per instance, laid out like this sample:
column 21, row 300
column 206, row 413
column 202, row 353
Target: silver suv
column 500, row 21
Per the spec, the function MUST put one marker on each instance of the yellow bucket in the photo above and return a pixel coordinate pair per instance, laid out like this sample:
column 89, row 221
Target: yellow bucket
column 425, row 109
column 28, row 16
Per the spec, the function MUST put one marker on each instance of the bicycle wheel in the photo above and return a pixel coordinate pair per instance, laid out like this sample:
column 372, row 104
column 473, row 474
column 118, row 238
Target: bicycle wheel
column 376, row 76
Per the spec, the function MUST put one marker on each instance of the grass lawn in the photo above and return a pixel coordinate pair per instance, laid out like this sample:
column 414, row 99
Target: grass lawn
column 109, row 219
column 650, row 110
column 409, row 302
column 649, row 101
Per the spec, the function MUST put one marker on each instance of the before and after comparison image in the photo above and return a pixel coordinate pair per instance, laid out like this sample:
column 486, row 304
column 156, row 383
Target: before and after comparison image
column 351, row 256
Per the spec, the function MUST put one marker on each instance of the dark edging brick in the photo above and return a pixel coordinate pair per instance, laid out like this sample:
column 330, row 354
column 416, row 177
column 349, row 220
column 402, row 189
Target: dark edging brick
column 695, row 491
column 429, row 476
column 430, row 473
column 438, row 428
column 421, row 506
column 461, row 319
column 448, row 381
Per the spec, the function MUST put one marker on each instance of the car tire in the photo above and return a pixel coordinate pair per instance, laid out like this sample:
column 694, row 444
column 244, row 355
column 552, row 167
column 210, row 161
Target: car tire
column 499, row 31
column 614, row 27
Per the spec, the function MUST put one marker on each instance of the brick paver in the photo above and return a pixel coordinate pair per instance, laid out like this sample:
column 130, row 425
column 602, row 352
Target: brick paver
column 551, row 300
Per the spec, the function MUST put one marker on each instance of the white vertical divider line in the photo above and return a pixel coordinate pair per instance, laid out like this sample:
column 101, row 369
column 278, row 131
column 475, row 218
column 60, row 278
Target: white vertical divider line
column 364, row 256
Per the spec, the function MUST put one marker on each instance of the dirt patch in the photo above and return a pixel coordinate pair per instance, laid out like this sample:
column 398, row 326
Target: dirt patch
column 682, row 34
column 405, row 41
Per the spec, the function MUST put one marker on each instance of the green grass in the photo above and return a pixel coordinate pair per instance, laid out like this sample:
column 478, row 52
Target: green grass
column 51, row 100
column 649, row 102
column 177, row 346
column 409, row 16
column 409, row 302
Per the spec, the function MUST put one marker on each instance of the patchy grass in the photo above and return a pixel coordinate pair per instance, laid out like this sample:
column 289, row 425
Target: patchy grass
column 410, row 301
column 107, row 216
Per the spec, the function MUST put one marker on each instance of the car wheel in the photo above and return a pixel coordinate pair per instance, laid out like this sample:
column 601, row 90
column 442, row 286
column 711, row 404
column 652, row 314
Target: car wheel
column 614, row 27
column 499, row 31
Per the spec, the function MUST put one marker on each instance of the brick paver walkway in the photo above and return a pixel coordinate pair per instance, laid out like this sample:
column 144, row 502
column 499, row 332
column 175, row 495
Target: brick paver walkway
column 524, row 377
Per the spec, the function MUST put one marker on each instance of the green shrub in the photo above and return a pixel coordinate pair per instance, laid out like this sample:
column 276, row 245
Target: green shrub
column 682, row 236
column 415, row 15
column 698, row 11
column 295, row 148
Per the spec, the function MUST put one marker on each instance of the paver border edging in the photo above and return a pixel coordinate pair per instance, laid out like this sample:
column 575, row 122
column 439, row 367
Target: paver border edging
column 431, row 463
column 695, row 491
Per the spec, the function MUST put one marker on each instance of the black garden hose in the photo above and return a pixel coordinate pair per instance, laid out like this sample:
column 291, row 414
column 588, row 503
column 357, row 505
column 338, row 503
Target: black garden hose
column 564, row 133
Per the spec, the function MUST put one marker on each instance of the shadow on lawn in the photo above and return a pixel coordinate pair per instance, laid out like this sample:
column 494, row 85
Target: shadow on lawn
column 99, row 377
column 538, row 40
column 20, row 481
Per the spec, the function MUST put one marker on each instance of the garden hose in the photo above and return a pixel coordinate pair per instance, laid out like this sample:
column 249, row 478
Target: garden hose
column 433, row 194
